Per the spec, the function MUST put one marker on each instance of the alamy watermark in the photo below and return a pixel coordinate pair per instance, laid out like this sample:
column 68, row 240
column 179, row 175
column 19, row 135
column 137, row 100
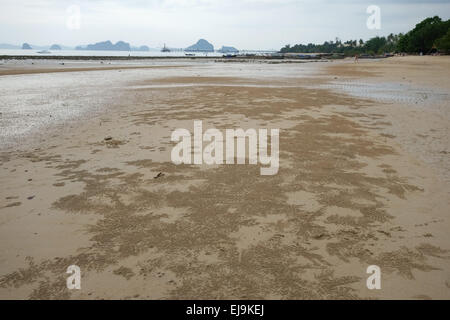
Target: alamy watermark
column 73, row 21
column 216, row 153
column 374, row 280
column 374, row 20
column 74, row 280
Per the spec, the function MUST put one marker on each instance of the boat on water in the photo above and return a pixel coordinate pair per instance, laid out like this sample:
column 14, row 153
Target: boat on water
column 44, row 52
column 165, row 49
column 189, row 54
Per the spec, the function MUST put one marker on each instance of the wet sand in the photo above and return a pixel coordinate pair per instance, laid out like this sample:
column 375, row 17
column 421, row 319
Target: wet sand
column 363, row 180
column 30, row 66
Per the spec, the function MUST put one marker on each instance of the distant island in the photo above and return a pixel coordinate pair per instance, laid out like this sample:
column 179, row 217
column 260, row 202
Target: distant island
column 201, row 46
column 106, row 46
column 9, row 46
column 141, row 48
column 225, row 49
column 109, row 46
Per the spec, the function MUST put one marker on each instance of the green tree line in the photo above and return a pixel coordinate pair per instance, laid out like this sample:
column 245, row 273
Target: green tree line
column 430, row 35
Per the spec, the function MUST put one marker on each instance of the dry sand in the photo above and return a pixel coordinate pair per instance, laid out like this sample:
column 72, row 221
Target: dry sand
column 363, row 180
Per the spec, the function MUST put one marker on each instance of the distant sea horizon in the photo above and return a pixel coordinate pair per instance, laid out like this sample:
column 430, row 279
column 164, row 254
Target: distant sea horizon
column 112, row 53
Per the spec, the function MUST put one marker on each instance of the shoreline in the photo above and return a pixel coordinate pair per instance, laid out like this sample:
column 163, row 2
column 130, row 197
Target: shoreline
column 49, row 57
column 127, row 58
column 7, row 69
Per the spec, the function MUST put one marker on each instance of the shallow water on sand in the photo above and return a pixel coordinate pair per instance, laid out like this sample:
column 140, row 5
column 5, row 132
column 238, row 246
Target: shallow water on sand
column 30, row 103
column 389, row 92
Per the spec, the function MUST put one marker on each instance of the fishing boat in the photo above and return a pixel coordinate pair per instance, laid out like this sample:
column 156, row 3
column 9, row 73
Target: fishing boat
column 165, row 49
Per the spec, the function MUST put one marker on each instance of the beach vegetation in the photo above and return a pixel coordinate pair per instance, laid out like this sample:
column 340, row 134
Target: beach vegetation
column 427, row 36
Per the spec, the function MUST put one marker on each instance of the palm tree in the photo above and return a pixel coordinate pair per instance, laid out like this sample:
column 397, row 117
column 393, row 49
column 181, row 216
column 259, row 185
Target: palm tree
column 390, row 38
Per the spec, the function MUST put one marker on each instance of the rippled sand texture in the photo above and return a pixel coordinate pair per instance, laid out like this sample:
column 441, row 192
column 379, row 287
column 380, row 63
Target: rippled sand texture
column 348, row 194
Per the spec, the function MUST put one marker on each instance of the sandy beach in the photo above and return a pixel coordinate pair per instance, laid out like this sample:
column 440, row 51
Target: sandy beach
column 364, row 179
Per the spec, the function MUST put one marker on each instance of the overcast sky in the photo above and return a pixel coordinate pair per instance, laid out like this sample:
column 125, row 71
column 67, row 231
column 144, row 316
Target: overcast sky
column 245, row 24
